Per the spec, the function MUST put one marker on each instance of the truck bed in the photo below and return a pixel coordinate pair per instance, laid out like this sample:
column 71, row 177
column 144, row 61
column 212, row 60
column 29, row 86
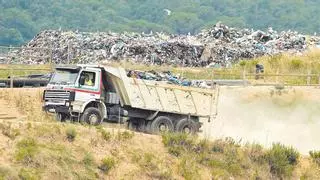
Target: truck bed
column 160, row 96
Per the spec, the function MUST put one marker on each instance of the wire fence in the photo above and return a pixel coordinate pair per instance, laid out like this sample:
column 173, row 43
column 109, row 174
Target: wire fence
column 8, row 55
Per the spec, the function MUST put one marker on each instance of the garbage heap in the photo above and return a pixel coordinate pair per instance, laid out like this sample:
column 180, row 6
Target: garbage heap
column 168, row 77
column 219, row 45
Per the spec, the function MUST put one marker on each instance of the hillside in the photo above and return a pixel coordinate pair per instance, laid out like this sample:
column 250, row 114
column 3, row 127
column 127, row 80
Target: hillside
column 33, row 146
column 20, row 20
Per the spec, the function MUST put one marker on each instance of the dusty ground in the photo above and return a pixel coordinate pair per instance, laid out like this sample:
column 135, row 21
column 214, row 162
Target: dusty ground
column 248, row 114
column 267, row 114
column 241, row 111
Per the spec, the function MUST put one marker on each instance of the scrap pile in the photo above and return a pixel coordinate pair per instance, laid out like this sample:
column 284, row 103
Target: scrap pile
column 219, row 45
column 159, row 76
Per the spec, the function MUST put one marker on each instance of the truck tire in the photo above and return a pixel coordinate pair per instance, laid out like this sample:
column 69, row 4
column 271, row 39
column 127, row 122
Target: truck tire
column 161, row 124
column 186, row 126
column 137, row 125
column 61, row 117
column 91, row 116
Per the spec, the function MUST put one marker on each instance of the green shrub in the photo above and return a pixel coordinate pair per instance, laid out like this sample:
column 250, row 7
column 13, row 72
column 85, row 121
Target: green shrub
column 188, row 169
column 107, row 164
column 105, row 134
column 26, row 150
column 256, row 153
column 282, row 159
column 88, row 159
column 178, row 143
column 180, row 139
column 28, row 174
column 71, row 134
column 11, row 133
column 296, row 64
column 315, row 155
column 243, row 63
column 125, row 135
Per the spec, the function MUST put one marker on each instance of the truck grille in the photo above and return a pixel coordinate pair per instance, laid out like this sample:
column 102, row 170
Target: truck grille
column 57, row 95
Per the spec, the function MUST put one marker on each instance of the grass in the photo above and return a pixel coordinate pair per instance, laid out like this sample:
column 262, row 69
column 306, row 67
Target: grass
column 282, row 160
column 26, row 150
column 315, row 155
column 107, row 164
column 227, row 158
column 42, row 151
column 7, row 70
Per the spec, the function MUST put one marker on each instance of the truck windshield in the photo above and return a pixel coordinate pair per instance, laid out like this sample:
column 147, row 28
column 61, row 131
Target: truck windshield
column 64, row 77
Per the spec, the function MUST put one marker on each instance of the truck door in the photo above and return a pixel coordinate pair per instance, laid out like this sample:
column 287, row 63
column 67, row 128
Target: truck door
column 88, row 85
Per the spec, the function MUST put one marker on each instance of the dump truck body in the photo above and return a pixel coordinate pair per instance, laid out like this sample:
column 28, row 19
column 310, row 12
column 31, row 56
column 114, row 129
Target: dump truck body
column 150, row 106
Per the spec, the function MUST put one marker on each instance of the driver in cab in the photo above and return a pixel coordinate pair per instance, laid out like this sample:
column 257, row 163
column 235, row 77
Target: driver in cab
column 87, row 80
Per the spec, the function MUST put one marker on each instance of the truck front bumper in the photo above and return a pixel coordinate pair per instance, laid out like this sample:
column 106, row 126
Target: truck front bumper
column 56, row 109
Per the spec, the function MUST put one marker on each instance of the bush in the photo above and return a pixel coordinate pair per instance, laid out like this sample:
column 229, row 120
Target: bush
column 125, row 135
column 296, row 64
column 27, row 149
column 188, row 169
column 105, row 135
column 243, row 63
column 28, row 174
column 180, row 139
column 71, row 134
column 282, row 160
column 107, row 164
column 256, row 153
column 88, row 159
column 315, row 155
column 9, row 132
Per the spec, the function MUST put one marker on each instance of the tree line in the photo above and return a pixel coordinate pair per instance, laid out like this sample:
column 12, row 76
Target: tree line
column 21, row 20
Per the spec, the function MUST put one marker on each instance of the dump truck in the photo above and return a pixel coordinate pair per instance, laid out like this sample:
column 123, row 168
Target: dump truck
column 96, row 93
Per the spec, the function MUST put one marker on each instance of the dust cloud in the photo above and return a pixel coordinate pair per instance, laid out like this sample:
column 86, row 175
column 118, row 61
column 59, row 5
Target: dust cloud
column 267, row 115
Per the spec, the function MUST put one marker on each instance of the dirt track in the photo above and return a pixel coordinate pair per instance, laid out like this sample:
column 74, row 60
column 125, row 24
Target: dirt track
column 266, row 115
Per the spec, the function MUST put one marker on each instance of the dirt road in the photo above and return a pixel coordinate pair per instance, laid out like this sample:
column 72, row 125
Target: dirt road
column 266, row 115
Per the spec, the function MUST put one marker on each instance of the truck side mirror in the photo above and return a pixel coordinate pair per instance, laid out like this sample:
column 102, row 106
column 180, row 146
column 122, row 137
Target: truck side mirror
column 81, row 80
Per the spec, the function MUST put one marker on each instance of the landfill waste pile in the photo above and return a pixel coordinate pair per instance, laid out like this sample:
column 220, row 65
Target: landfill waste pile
column 217, row 46
column 168, row 77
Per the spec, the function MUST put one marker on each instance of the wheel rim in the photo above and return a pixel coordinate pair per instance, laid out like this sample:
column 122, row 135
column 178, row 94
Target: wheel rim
column 163, row 127
column 59, row 117
column 93, row 119
column 187, row 130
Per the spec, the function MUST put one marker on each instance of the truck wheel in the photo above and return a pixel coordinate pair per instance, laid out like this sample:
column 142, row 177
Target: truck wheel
column 186, row 126
column 137, row 125
column 161, row 124
column 92, row 116
column 61, row 117
column 148, row 127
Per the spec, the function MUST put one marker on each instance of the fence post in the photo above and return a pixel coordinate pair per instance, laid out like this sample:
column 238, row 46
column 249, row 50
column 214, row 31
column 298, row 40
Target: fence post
column 50, row 58
column 309, row 78
column 11, row 78
column 68, row 52
column 244, row 76
column 277, row 76
column 212, row 79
